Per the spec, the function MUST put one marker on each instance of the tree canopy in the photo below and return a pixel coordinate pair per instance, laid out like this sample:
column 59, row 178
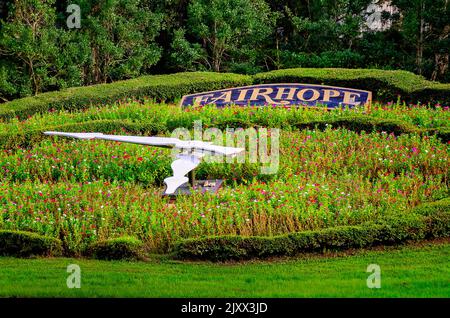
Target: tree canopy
column 121, row 39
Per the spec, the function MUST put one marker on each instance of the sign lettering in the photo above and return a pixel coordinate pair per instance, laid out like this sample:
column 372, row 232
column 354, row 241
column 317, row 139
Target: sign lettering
column 307, row 95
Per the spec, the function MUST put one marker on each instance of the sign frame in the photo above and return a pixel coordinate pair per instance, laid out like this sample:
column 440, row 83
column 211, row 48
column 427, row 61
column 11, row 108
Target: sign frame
column 367, row 105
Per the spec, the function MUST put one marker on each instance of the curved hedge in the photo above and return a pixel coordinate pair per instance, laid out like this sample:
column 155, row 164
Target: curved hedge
column 158, row 87
column 426, row 221
column 429, row 220
column 26, row 244
column 385, row 85
column 31, row 138
column 355, row 123
column 125, row 248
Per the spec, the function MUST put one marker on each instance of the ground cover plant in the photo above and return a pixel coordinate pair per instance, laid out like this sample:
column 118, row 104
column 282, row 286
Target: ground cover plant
column 90, row 191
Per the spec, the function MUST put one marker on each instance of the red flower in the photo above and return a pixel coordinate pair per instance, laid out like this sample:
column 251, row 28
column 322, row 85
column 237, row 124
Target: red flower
column 139, row 159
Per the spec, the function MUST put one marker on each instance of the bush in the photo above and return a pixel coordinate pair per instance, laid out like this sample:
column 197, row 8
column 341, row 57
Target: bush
column 363, row 123
column 121, row 248
column 437, row 217
column 31, row 138
column 355, row 123
column 385, row 85
column 443, row 133
column 159, row 87
column 426, row 221
column 27, row 244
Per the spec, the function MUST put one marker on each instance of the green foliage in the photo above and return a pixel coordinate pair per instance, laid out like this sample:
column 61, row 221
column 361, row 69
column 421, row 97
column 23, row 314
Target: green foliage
column 116, row 41
column 386, row 85
column 392, row 230
column 437, row 216
column 344, row 59
column 158, row 87
column 85, row 191
column 121, row 39
column 122, row 248
column 228, row 30
column 29, row 41
column 326, row 25
column 354, row 123
column 27, row 244
column 187, row 56
column 426, row 25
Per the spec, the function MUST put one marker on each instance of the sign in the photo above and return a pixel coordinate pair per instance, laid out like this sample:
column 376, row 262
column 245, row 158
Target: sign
column 308, row 95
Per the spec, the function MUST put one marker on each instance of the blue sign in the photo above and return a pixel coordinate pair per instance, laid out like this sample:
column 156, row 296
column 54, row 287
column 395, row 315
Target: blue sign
column 307, row 95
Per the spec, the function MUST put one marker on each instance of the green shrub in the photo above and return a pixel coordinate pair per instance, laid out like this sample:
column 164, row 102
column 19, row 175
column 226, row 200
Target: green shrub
column 427, row 221
column 442, row 132
column 31, row 138
column 385, row 85
column 361, row 123
column 27, row 244
column 354, row 123
column 437, row 217
column 159, row 87
column 125, row 248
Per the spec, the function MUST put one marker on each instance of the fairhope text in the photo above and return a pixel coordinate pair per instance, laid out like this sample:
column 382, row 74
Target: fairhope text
column 307, row 95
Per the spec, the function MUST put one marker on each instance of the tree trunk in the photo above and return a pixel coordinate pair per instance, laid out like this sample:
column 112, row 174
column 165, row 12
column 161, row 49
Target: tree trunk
column 441, row 62
column 419, row 52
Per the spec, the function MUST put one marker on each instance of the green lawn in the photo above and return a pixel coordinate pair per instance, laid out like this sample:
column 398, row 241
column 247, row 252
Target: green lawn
column 409, row 271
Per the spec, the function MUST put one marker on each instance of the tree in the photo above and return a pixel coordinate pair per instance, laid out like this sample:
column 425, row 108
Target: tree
column 229, row 31
column 29, row 40
column 426, row 24
column 39, row 53
column 122, row 39
column 325, row 25
column 185, row 55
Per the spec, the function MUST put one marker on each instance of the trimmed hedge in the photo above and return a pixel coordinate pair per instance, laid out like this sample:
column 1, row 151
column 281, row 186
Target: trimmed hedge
column 31, row 138
column 27, row 244
column 385, row 85
column 121, row 248
column 158, row 87
column 437, row 217
column 355, row 123
column 431, row 220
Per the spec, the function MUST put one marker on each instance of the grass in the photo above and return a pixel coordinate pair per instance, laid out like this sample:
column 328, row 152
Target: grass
column 408, row 271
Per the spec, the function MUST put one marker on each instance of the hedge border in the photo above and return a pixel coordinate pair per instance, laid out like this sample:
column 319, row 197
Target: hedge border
column 120, row 248
column 427, row 221
column 159, row 87
column 355, row 123
column 385, row 85
column 28, row 244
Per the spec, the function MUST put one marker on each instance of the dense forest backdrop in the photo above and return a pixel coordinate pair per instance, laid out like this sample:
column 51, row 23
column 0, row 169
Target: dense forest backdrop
column 41, row 50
